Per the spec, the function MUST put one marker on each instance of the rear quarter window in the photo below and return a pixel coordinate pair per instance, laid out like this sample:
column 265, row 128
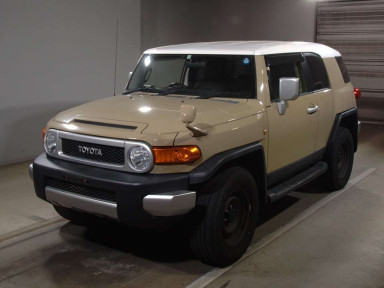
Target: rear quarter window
column 317, row 71
column 343, row 69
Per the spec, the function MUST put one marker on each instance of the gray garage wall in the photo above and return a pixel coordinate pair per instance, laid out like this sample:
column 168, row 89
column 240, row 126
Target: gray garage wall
column 57, row 54
column 356, row 29
column 168, row 22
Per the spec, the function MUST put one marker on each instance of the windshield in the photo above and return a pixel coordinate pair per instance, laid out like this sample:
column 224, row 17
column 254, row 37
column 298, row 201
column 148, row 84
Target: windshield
column 202, row 75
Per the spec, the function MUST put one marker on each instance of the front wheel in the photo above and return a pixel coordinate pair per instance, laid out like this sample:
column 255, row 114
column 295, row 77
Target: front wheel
column 229, row 204
column 340, row 160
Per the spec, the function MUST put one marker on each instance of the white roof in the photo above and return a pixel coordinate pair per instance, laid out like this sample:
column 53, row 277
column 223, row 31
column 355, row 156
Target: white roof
column 246, row 48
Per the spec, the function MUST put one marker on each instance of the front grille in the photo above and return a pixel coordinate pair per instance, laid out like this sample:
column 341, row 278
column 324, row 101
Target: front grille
column 94, row 152
column 99, row 194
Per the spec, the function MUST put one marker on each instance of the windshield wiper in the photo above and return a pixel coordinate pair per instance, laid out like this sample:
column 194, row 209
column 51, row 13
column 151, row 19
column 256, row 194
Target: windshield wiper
column 209, row 94
column 219, row 94
column 206, row 96
column 180, row 88
column 200, row 93
column 142, row 89
column 173, row 88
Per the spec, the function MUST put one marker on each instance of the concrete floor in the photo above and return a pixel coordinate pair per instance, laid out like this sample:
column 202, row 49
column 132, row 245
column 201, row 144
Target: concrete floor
column 310, row 238
column 19, row 208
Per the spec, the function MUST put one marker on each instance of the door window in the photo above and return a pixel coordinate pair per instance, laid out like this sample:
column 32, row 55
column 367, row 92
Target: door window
column 284, row 66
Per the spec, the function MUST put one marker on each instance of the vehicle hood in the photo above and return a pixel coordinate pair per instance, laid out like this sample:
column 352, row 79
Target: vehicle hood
column 152, row 114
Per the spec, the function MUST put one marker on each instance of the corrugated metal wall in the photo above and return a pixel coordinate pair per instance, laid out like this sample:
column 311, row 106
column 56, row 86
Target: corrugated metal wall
column 356, row 29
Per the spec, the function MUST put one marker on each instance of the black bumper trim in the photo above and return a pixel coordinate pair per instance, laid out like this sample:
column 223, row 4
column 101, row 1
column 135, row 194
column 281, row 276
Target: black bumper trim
column 130, row 188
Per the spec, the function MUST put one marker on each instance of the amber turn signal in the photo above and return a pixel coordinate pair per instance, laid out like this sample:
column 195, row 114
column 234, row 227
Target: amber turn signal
column 44, row 131
column 176, row 155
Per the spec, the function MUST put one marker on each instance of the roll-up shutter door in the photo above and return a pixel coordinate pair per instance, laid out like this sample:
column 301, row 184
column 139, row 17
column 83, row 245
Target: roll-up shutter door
column 356, row 29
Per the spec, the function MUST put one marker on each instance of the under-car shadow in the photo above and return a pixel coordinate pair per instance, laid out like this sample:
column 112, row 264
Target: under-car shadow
column 271, row 210
column 172, row 246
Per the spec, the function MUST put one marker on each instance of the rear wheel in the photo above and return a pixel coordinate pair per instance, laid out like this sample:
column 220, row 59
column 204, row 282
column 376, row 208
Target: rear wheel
column 229, row 205
column 340, row 160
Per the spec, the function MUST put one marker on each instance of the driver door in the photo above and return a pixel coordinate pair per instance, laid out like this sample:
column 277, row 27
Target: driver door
column 292, row 136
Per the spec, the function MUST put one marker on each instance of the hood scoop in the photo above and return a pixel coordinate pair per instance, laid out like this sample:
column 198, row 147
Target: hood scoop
column 103, row 124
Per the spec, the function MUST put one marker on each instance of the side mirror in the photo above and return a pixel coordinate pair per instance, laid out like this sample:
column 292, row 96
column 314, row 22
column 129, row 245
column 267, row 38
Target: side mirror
column 289, row 90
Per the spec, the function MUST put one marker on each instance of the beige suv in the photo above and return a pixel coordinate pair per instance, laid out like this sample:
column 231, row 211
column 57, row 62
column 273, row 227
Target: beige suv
column 204, row 134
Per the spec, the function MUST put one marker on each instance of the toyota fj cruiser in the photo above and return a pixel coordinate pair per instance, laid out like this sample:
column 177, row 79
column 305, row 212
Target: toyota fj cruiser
column 204, row 132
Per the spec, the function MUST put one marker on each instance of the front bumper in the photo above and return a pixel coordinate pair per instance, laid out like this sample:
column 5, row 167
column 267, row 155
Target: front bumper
column 134, row 199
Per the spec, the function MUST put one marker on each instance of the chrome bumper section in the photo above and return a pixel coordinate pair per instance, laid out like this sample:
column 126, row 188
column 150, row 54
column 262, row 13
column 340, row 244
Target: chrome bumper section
column 167, row 204
column 170, row 204
column 86, row 204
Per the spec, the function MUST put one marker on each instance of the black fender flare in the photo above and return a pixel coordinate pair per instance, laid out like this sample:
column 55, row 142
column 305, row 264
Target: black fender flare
column 347, row 119
column 212, row 165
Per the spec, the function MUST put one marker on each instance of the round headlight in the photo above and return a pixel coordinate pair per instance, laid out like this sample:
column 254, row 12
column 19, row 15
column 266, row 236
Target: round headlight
column 50, row 141
column 140, row 158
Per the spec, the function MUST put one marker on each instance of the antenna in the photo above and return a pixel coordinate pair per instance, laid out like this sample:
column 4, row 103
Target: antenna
column 117, row 31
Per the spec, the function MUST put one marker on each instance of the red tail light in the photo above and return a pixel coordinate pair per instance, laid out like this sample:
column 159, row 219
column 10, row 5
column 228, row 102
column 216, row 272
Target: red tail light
column 357, row 92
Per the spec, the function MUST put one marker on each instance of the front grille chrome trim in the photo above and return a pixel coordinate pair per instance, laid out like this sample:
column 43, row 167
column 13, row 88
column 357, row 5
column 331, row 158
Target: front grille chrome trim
column 58, row 153
column 99, row 153
column 73, row 201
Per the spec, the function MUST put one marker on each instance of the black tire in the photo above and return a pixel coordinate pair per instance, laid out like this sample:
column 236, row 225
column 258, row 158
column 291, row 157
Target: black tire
column 340, row 160
column 229, row 207
column 75, row 217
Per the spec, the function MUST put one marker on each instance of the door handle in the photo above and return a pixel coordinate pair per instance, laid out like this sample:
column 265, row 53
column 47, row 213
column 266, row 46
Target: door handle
column 314, row 109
